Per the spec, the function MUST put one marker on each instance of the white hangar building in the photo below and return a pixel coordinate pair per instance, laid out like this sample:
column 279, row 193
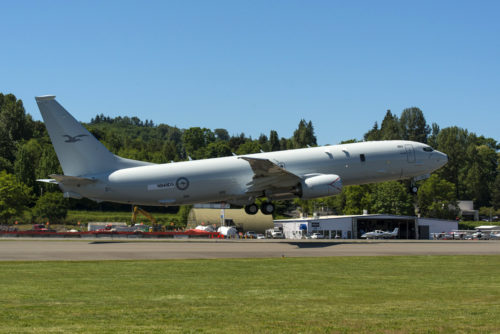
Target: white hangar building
column 352, row 227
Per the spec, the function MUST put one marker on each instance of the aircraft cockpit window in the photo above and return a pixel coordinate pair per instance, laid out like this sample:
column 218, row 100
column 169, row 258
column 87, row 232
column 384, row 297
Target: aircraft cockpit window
column 428, row 149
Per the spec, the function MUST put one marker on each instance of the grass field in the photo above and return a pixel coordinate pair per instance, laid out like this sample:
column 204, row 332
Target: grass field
column 291, row 295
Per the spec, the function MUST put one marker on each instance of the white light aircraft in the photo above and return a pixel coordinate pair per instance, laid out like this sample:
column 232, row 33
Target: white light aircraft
column 377, row 234
column 91, row 171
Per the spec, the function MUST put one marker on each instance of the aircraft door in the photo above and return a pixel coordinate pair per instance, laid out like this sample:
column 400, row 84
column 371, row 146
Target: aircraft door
column 410, row 153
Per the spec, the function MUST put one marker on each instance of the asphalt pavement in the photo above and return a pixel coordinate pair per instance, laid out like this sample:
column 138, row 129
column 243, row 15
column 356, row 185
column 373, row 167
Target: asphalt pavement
column 107, row 249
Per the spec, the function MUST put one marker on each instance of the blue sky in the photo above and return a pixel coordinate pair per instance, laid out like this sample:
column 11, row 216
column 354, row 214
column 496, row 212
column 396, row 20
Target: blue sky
column 253, row 66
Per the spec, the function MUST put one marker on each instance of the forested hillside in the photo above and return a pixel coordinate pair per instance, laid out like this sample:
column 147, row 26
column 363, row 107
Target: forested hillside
column 26, row 154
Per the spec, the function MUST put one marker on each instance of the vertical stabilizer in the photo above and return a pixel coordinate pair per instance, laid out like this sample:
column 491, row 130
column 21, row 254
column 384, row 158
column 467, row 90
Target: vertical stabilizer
column 78, row 151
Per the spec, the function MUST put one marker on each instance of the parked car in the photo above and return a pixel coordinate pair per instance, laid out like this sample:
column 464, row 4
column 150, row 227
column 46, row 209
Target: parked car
column 317, row 236
column 261, row 236
column 41, row 228
column 277, row 235
column 251, row 234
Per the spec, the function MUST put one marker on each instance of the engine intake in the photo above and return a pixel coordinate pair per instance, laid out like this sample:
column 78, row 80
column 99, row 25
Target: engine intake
column 321, row 186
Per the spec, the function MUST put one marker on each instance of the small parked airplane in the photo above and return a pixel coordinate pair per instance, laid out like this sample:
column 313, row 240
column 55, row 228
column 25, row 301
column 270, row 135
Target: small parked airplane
column 379, row 234
column 91, row 171
column 495, row 235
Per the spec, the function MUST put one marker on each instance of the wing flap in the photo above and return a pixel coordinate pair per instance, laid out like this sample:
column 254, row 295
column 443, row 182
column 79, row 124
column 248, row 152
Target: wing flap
column 268, row 175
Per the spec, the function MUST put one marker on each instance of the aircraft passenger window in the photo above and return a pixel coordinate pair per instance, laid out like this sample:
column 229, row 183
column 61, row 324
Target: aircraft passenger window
column 362, row 157
column 428, row 149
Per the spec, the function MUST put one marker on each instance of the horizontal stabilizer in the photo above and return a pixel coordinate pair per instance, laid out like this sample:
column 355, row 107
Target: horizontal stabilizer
column 70, row 180
column 53, row 181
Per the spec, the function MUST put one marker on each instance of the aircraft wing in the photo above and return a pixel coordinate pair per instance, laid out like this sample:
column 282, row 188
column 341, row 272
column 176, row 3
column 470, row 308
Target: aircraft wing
column 268, row 175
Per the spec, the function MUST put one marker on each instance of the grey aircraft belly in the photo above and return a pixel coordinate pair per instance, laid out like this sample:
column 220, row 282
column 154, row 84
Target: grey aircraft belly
column 91, row 171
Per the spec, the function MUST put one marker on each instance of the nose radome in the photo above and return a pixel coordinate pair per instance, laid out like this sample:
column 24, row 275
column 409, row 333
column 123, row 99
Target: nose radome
column 443, row 158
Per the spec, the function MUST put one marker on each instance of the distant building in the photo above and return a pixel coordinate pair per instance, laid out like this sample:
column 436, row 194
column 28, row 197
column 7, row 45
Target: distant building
column 467, row 211
column 232, row 217
column 352, row 227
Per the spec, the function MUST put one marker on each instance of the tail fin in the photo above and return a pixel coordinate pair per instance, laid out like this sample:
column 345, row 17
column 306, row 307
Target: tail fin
column 78, row 151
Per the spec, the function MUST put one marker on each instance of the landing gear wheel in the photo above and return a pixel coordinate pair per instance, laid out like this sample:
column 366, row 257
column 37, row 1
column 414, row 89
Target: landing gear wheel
column 414, row 189
column 267, row 208
column 251, row 209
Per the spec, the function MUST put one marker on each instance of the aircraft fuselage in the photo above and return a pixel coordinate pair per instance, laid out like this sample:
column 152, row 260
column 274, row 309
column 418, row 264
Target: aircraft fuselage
column 226, row 179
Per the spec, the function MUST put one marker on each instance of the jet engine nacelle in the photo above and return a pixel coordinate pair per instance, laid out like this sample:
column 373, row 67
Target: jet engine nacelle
column 321, row 186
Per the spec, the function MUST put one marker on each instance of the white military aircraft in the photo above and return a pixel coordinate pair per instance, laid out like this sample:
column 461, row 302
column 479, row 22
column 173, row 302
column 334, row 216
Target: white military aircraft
column 91, row 171
column 378, row 234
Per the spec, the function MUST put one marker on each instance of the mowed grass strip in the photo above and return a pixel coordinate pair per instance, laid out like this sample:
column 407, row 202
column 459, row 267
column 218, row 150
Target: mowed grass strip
column 417, row 294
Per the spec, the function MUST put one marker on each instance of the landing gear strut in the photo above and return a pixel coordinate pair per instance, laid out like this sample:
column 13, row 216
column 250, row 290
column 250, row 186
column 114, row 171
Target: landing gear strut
column 413, row 187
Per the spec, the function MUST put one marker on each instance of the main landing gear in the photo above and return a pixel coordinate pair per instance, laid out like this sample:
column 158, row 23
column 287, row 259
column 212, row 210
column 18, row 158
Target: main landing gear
column 266, row 208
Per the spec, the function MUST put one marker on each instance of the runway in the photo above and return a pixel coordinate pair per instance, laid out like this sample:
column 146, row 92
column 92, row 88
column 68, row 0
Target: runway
column 101, row 249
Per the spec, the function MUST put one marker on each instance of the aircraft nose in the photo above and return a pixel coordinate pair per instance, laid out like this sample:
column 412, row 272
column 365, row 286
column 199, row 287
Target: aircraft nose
column 441, row 158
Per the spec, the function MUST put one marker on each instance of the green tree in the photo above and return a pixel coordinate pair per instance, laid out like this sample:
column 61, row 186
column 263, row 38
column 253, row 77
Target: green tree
column 285, row 144
column 14, row 197
column 221, row 134
column 196, row 140
column 15, row 125
column 374, row 134
column 304, row 135
column 48, row 164
column 437, row 198
column 169, row 151
column 392, row 198
column 6, row 165
column 480, row 174
column 413, row 125
column 184, row 213
column 193, row 139
column 217, row 149
column 236, row 141
column 248, row 147
column 274, row 141
column 495, row 195
column 264, row 143
column 453, row 141
column 52, row 206
column 357, row 199
column 390, row 128
column 432, row 139
column 27, row 158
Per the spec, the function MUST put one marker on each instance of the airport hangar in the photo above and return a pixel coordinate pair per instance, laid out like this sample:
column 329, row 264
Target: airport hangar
column 353, row 226
column 344, row 227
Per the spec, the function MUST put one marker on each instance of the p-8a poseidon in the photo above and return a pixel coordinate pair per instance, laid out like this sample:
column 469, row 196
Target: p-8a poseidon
column 91, row 171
